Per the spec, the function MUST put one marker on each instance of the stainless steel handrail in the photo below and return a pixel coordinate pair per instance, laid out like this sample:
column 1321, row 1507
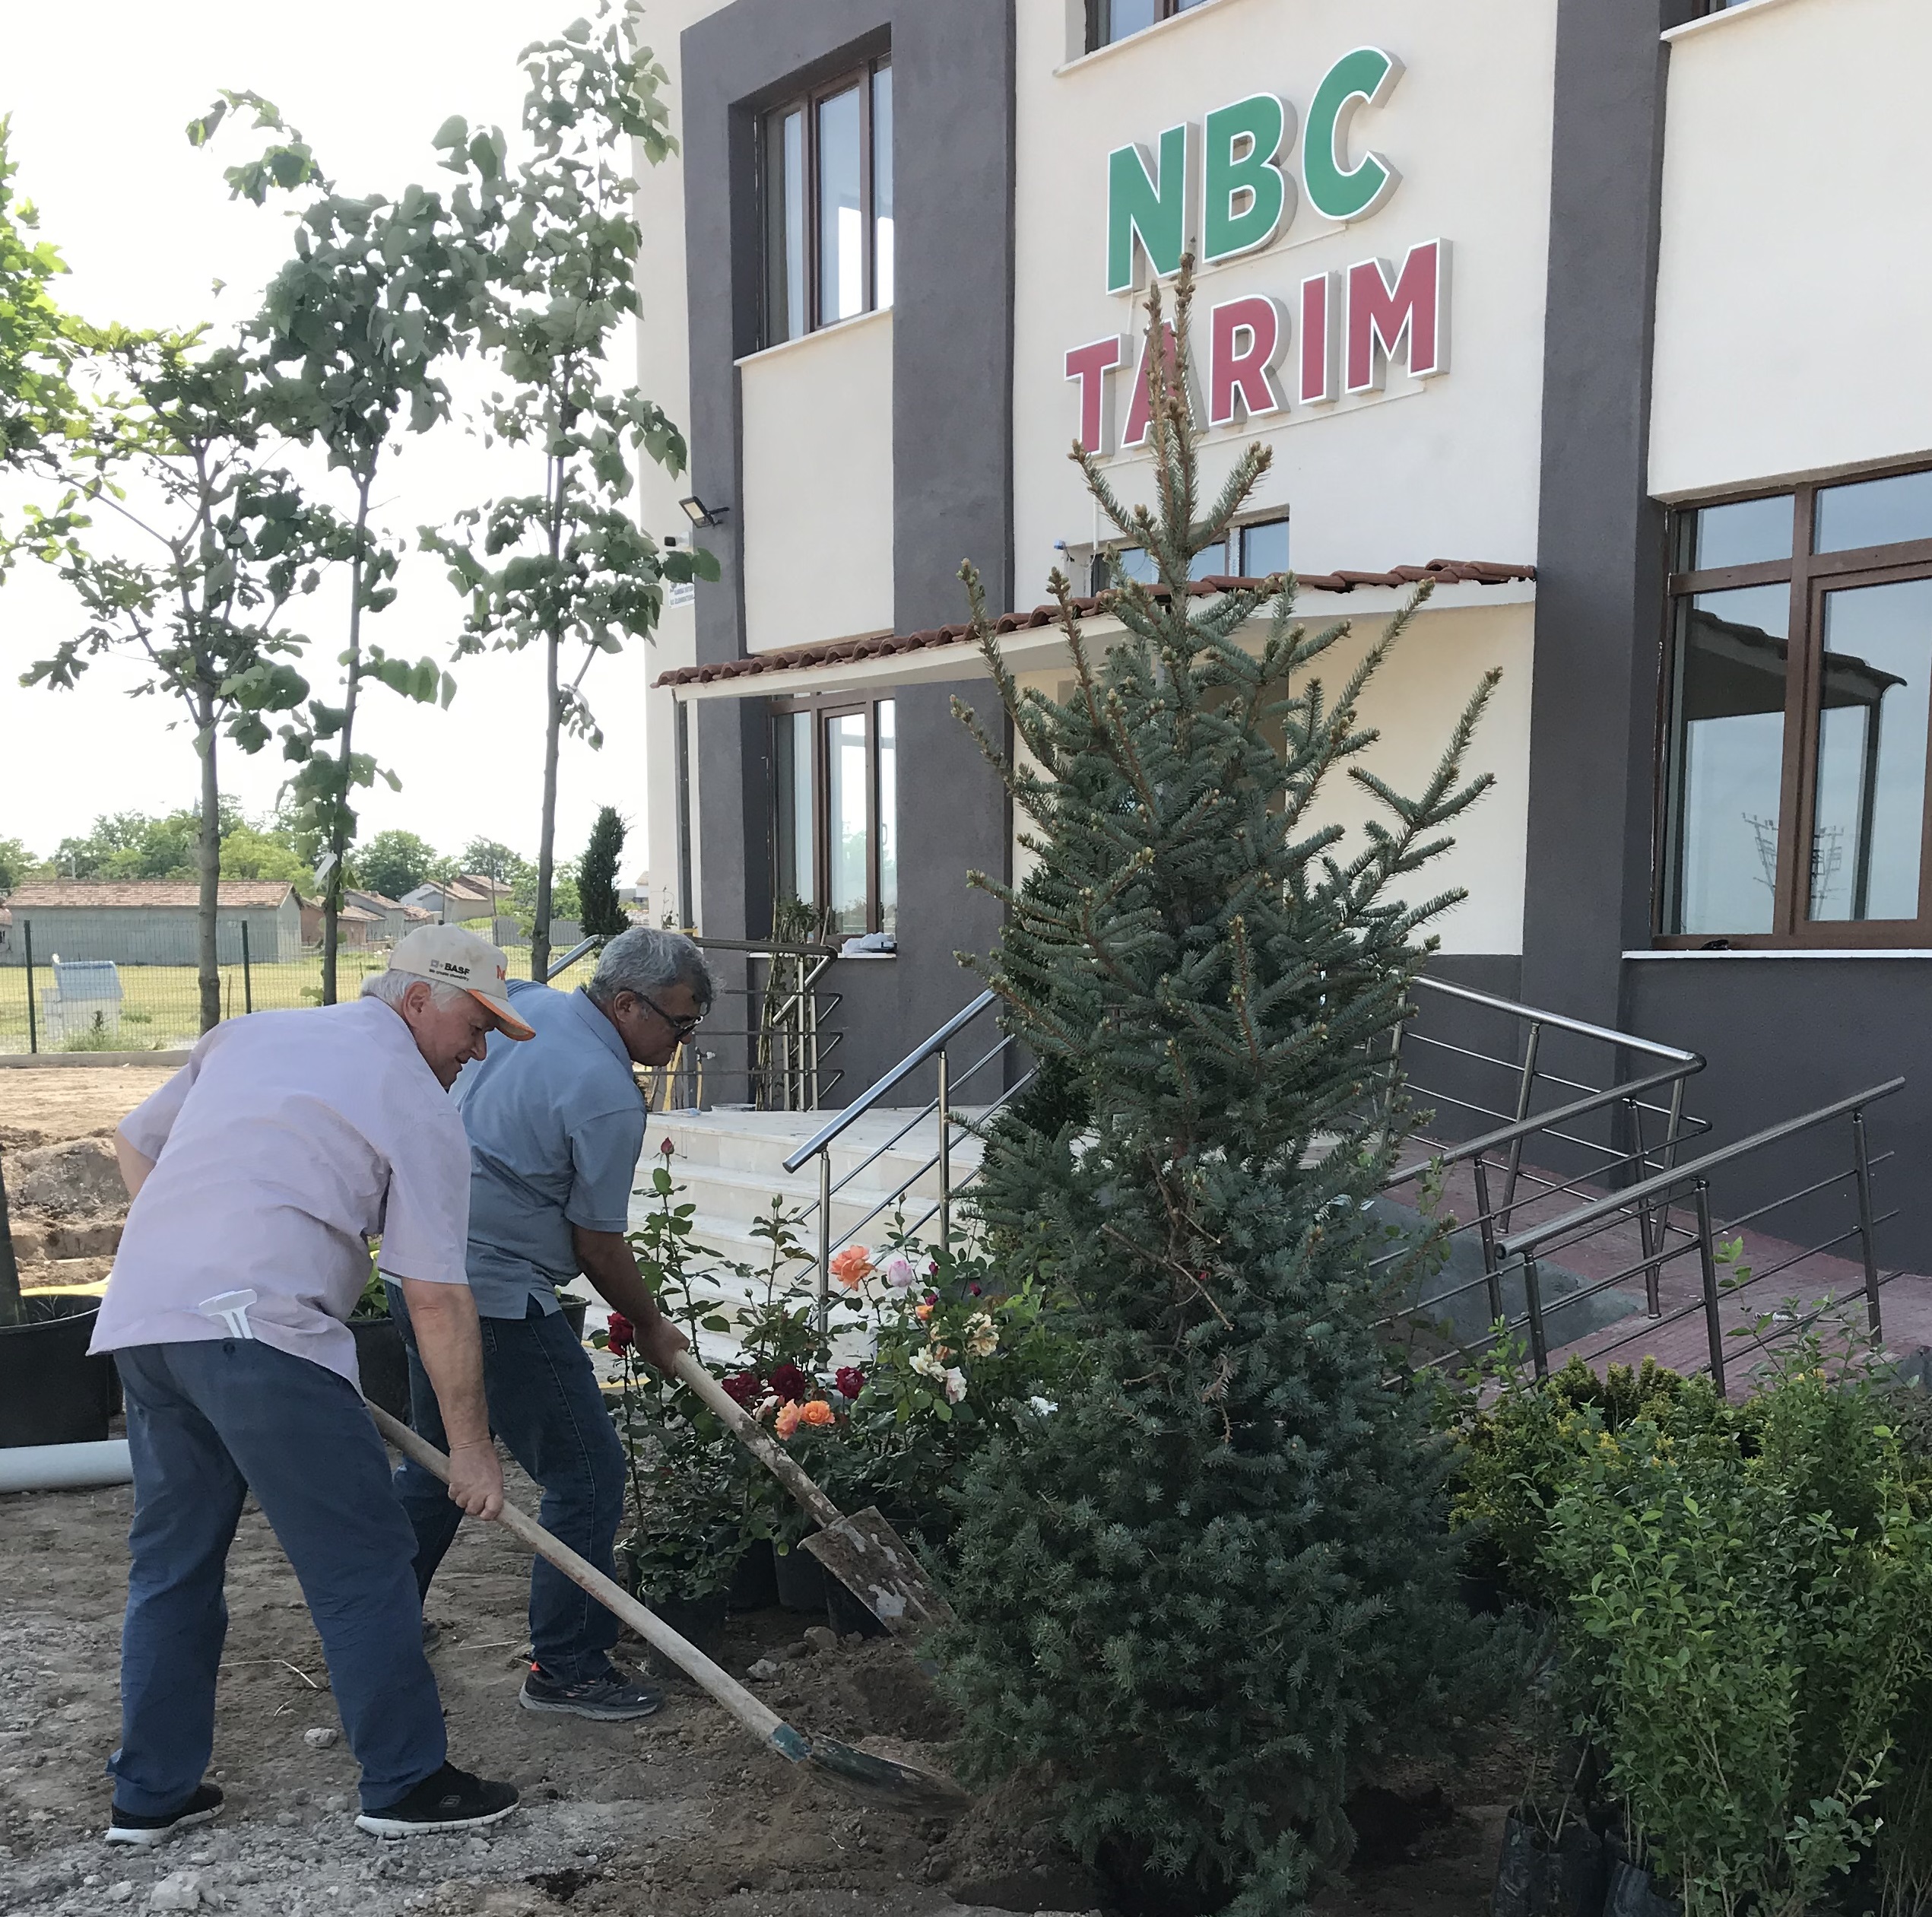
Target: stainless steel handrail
column 1558, row 1021
column 1665, row 1181
column 939, row 1039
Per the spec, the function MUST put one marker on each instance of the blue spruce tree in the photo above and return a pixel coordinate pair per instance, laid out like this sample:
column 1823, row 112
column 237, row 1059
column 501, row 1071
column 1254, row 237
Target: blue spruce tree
column 1202, row 1596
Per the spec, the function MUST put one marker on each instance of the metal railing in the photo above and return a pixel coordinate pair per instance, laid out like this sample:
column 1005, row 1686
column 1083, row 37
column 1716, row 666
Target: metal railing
column 787, row 1047
column 1527, row 1251
column 937, row 1049
column 1640, row 1121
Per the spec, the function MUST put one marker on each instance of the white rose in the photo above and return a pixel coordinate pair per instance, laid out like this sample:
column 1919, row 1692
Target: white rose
column 928, row 1366
column 955, row 1385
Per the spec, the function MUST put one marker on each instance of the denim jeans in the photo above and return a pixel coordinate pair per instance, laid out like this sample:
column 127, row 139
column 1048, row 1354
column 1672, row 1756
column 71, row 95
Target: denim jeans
column 208, row 1423
column 545, row 1406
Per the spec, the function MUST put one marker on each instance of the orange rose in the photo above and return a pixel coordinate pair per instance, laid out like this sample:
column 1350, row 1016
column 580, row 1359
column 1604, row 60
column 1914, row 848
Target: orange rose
column 852, row 1267
column 817, row 1412
column 923, row 1312
column 788, row 1416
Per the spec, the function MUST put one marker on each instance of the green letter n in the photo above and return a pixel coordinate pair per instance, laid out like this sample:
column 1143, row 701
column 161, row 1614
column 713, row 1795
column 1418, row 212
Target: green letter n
column 1153, row 211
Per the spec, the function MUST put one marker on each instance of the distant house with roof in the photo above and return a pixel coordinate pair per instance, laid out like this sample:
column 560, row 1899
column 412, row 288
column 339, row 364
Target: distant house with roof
column 151, row 922
column 469, row 895
column 393, row 917
column 355, row 927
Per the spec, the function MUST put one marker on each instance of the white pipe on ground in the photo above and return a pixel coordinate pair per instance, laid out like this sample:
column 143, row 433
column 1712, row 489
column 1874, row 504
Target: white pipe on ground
column 64, row 1467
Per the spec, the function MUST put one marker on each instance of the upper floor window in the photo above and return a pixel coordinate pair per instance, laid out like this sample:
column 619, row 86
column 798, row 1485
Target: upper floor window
column 1109, row 20
column 827, row 169
column 1799, row 719
column 1256, row 549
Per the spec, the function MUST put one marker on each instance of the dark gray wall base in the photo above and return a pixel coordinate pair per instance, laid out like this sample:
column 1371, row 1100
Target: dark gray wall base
column 1783, row 1036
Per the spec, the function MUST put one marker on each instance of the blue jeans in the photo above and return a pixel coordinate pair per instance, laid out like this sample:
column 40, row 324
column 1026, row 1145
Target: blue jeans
column 208, row 1423
column 545, row 1406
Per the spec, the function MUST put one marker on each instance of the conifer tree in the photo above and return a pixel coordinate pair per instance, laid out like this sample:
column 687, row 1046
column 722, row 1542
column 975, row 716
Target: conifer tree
column 602, row 916
column 1202, row 1594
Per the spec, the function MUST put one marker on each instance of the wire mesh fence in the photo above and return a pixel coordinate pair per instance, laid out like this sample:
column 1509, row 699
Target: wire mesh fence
column 104, row 986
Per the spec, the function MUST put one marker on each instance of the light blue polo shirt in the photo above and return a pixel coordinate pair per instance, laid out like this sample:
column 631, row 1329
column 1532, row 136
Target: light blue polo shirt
column 555, row 1126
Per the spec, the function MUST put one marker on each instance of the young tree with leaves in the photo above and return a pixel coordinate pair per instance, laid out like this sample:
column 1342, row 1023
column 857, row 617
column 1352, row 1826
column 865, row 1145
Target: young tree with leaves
column 568, row 567
column 603, row 917
column 224, row 541
column 357, row 327
column 39, row 411
column 1202, row 1595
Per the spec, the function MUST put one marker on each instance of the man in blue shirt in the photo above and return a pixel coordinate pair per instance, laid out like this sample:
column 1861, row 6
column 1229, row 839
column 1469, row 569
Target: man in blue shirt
column 555, row 1136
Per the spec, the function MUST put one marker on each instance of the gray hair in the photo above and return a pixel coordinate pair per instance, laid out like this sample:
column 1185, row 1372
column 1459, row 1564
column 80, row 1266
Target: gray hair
column 645, row 960
column 390, row 986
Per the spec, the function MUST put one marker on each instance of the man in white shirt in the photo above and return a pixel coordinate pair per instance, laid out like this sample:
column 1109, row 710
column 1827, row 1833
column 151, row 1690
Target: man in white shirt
column 260, row 1172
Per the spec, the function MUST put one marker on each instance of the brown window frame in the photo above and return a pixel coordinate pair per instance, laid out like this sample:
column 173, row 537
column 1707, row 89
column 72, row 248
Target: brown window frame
column 1810, row 575
column 822, row 706
column 806, row 103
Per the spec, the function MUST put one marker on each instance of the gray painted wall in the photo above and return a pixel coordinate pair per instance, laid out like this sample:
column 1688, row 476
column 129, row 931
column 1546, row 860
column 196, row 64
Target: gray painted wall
column 952, row 96
column 152, row 935
column 1599, row 545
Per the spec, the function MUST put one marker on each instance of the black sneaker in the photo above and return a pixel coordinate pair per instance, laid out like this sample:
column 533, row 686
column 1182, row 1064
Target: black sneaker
column 129, row 1827
column 449, row 1799
column 613, row 1698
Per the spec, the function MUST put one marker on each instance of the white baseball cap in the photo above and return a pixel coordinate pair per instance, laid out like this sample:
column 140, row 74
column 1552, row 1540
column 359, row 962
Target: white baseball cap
column 448, row 955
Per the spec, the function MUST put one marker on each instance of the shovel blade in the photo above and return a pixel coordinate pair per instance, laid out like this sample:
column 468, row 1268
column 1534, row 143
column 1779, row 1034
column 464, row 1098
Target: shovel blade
column 877, row 1566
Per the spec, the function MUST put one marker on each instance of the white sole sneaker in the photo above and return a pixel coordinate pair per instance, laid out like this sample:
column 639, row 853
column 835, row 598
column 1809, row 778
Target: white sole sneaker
column 147, row 1838
column 377, row 1825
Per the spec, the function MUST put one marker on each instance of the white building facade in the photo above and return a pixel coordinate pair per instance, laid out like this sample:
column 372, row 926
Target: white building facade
column 1595, row 314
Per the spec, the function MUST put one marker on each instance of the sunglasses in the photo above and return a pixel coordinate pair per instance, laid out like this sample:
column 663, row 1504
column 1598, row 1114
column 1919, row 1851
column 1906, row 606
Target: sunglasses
column 681, row 1028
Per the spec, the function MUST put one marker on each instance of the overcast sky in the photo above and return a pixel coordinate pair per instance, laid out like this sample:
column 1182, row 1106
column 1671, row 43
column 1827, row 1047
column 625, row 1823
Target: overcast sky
column 100, row 92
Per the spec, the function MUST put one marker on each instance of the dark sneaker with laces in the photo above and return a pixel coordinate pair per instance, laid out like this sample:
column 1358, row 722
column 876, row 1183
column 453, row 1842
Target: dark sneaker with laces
column 125, row 1827
column 613, row 1698
column 449, row 1799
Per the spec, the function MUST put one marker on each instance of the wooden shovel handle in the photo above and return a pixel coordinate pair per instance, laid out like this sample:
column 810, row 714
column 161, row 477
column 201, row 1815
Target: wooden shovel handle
column 757, row 1440
column 762, row 1722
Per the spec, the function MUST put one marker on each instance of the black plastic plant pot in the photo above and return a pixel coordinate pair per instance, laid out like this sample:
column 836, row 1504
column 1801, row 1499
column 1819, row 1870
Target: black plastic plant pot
column 801, row 1580
column 573, row 1309
column 51, row 1392
column 1634, row 1893
column 754, row 1579
column 1537, row 1876
column 697, row 1620
column 383, row 1362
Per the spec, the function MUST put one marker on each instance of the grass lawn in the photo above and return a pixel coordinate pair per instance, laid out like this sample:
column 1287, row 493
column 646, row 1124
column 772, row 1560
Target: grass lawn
column 161, row 1004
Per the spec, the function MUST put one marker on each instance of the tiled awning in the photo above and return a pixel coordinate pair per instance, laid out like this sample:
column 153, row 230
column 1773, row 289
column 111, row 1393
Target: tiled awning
column 845, row 652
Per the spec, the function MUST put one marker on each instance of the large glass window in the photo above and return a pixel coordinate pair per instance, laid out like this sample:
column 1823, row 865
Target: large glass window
column 835, row 838
column 1108, row 20
column 826, row 170
column 1799, row 718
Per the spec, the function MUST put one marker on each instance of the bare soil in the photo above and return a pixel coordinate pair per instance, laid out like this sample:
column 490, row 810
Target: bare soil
column 681, row 1815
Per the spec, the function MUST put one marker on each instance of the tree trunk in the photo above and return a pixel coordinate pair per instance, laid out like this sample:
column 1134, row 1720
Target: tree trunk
column 208, row 910
column 547, row 842
column 339, row 828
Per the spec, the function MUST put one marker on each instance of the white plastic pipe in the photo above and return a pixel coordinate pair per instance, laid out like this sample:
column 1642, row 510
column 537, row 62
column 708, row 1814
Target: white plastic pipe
column 64, row 1467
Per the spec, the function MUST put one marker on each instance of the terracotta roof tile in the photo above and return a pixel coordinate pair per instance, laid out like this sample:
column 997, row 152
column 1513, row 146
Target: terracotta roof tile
column 99, row 895
column 795, row 659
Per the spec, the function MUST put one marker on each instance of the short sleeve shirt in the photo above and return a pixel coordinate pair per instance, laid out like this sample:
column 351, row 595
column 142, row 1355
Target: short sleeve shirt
column 555, row 1126
column 288, row 1142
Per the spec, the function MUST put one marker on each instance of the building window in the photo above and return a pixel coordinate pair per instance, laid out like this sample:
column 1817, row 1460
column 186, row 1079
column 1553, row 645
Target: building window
column 1259, row 549
column 835, row 786
column 826, row 173
column 1109, row 20
column 1797, row 699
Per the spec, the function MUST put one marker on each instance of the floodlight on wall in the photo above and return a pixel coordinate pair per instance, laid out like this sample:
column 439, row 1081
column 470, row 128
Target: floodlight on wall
column 701, row 515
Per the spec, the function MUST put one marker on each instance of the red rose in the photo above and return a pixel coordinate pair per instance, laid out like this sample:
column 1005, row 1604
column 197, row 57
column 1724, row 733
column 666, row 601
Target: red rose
column 667, row 1148
column 791, row 1384
column 851, row 1381
column 743, row 1388
column 622, row 1333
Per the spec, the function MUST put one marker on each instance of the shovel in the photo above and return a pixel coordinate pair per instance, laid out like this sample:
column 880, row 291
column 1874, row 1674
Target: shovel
column 864, row 1553
column 859, row 1774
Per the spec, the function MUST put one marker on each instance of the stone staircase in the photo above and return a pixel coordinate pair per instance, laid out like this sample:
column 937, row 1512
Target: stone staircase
column 730, row 1166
